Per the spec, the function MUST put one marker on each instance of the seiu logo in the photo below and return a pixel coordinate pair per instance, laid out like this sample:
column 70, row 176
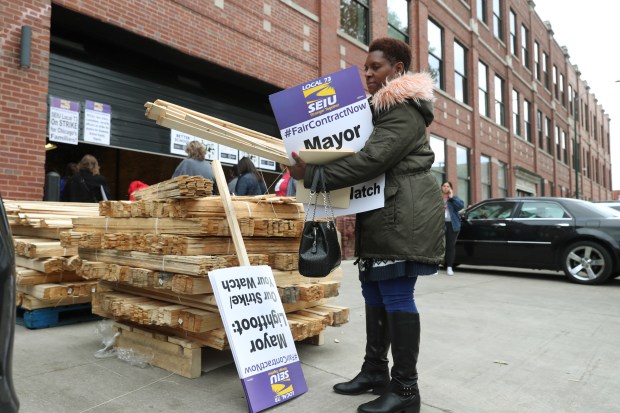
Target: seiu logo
column 322, row 104
column 319, row 95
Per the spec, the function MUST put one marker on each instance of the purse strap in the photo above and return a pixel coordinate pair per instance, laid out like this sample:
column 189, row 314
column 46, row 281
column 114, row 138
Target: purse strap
column 318, row 186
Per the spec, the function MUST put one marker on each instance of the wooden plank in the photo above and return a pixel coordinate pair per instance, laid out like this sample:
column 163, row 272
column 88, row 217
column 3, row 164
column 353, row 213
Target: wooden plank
column 31, row 303
column 231, row 216
column 27, row 276
column 199, row 265
column 44, row 265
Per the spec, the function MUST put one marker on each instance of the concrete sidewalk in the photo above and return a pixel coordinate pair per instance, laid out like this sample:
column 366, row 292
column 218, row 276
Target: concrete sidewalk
column 492, row 341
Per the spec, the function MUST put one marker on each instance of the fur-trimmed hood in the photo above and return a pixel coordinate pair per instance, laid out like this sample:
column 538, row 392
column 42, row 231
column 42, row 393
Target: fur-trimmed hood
column 414, row 87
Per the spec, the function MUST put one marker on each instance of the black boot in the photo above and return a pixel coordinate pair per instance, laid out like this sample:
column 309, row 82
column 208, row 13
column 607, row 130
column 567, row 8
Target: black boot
column 375, row 374
column 8, row 399
column 403, row 395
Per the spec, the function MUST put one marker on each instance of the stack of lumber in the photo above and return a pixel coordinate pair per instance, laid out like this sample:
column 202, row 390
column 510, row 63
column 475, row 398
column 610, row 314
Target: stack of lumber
column 179, row 187
column 216, row 130
column 152, row 258
column 47, row 271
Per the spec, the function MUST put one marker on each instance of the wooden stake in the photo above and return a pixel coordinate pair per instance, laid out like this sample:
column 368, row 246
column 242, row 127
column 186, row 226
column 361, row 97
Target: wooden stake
column 231, row 216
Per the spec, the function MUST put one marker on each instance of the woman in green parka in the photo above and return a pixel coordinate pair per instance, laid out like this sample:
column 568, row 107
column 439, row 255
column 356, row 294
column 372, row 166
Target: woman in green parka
column 404, row 239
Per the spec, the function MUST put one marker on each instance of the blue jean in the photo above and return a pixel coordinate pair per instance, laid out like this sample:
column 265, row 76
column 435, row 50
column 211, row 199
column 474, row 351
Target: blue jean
column 395, row 295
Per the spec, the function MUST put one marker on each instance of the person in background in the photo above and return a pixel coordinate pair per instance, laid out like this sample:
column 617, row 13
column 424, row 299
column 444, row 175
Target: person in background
column 452, row 205
column 400, row 241
column 133, row 187
column 195, row 164
column 282, row 184
column 71, row 170
column 87, row 185
column 249, row 182
column 234, row 173
column 291, row 188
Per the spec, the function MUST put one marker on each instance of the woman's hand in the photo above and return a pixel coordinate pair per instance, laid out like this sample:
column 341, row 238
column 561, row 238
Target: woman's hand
column 299, row 169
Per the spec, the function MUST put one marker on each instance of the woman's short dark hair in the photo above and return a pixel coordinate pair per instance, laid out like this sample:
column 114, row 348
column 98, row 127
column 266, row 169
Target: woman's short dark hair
column 394, row 50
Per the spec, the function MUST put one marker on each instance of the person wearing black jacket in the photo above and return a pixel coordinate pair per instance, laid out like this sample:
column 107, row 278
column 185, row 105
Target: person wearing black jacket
column 87, row 185
column 8, row 399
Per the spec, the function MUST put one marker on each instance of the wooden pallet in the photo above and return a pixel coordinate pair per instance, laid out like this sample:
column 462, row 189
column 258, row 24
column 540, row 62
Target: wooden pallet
column 55, row 316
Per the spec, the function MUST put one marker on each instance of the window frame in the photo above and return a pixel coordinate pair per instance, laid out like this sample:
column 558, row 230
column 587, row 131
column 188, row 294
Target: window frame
column 527, row 121
column 516, row 113
column 484, row 91
column 438, row 169
column 514, row 43
column 439, row 78
column 500, row 105
column 363, row 5
column 481, row 11
column 502, row 179
column 404, row 36
column 498, row 21
column 486, row 179
column 537, row 60
column 461, row 78
column 525, row 46
column 463, row 180
column 540, row 128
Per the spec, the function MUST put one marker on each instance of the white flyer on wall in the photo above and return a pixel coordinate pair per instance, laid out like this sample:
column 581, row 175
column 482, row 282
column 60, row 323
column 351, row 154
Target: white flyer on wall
column 64, row 121
column 97, row 122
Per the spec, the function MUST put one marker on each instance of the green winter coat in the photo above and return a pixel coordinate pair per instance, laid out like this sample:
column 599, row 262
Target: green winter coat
column 410, row 226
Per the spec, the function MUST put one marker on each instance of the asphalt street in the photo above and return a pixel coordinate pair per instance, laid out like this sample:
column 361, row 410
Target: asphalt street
column 493, row 340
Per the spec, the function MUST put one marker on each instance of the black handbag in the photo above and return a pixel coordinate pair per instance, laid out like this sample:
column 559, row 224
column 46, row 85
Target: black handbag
column 319, row 249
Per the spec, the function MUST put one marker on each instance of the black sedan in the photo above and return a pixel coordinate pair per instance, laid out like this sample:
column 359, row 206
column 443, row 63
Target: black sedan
column 565, row 234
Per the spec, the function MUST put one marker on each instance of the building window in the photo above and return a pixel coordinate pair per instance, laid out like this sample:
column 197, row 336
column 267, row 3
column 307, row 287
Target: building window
column 398, row 19
column 460, row 73
column 595, row 128
column 435, row 52
column 564, row 148
column 558, row 147
column 536, row 60
column 481, row 7
column 462, row 173
column 570, row 99
column 562, row 91
column 438, row 169
column 516, row 116
column 548, row 130
column 354, row 19
column 555, row 81
column 483, row 89
column 513, row 32
column 485, row 177
column 525, row 46
column 539, row 125
column 502, row 179
column 498, row 23
column 545, row 69
column 527, row 124
column 500, row 116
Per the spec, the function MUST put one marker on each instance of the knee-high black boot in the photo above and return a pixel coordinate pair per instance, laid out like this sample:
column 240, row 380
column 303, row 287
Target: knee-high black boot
column 403, row 395
column 8, row 399
column 375, row 374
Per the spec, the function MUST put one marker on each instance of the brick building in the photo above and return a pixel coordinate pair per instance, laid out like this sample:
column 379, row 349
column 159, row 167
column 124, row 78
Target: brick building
column 509, row 98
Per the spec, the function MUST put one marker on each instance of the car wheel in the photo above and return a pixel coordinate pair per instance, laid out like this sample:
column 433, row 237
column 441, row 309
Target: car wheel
column 586, row 262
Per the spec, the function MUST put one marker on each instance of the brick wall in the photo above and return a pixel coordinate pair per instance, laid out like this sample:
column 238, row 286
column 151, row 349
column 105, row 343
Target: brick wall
column 23, row 107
